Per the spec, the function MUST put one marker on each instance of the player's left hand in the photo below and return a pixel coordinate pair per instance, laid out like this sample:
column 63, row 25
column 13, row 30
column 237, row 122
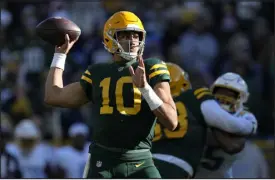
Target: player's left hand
column 139, row 75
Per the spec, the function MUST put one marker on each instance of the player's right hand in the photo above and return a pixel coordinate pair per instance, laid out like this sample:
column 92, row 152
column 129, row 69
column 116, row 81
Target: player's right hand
column 65, row 48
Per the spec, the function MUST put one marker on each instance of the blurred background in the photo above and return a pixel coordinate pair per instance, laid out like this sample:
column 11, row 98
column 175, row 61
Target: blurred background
column 206, row 39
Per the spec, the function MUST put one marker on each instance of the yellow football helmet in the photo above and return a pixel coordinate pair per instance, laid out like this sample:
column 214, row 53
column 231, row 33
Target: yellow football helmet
column 179, row 79
column 123, row 21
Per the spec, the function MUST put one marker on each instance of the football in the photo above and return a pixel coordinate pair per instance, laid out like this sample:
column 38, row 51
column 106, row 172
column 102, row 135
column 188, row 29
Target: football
column 54, row 29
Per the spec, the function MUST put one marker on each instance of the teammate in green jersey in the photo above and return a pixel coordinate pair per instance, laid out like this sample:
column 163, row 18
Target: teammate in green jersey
column 177, row 154
column 128, row 94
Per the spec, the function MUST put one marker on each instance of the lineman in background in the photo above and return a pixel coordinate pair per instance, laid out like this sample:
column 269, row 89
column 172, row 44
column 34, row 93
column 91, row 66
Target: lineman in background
column 231, row 92
column 33, row 156
column 197, row 110
column 70, row 160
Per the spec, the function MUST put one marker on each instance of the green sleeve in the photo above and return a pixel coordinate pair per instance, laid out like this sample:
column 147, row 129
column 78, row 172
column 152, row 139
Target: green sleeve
column 202, row 94
column 156, row 71
column 86, row 82
column 193, row 99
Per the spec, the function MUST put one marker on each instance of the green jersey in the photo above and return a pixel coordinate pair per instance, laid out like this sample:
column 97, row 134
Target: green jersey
column 188, row 140
column 121, row 117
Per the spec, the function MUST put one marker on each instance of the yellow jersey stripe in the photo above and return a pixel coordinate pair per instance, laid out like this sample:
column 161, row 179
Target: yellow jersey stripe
column 199, row 96
column 87, row 72
column 158, row 66
column 85, row 78
column 200, row 90
column 158, row 73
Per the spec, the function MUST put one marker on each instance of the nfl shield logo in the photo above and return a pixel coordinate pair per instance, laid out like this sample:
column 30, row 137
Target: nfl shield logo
column 98, row 164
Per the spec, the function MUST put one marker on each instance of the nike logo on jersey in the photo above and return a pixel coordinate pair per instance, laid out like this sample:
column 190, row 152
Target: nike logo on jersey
column 140, row 164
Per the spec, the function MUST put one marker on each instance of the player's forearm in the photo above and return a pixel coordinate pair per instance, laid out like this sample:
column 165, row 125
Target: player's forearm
column 54, row 82
column 215, row 116
column 54, row 85
column 167, row 115
column 229, row 143
column 236, row 145
column 164, row 111
column 70, row 96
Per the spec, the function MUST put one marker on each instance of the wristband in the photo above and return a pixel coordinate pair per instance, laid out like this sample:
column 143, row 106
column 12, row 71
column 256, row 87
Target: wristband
column 59, row 60
column 151, row 97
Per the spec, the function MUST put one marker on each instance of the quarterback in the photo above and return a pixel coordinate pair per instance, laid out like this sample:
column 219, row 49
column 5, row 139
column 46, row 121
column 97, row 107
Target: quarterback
column 177, row 154
column 231, row 92
column 127, row 94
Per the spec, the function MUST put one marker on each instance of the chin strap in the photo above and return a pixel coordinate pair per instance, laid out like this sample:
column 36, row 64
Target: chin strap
column 126, row 65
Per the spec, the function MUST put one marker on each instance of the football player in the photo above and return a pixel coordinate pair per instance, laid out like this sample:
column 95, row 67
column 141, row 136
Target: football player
column 127, row 94
column 231, row 92
column 33, row 156
column 177, row 154
column 69, row 161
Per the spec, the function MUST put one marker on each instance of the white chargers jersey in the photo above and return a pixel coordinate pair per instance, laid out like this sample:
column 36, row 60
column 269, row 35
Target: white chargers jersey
column 34, row 163
column 251, row 163
column 71, row 161
column 216, row 163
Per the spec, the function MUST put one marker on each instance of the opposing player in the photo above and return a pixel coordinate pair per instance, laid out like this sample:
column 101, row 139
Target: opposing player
column 69, row 161
column 33, row 156
column 177, row 154
column 231, row 91
column 127, row 95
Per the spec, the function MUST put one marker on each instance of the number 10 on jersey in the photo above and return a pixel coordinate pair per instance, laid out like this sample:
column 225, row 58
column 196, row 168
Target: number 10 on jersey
column 107, row 109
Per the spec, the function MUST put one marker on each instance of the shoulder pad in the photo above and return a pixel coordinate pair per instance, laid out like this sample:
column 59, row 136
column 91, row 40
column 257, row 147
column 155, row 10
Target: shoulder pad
column 201, row 92
column 152, row 61
column 156, row 71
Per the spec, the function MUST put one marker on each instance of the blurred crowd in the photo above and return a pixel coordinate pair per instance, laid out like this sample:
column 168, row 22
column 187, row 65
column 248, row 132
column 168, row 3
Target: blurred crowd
column 206, row 39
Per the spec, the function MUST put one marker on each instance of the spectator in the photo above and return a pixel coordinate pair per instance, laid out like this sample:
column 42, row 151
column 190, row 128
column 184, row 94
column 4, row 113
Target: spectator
column 199, row 47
